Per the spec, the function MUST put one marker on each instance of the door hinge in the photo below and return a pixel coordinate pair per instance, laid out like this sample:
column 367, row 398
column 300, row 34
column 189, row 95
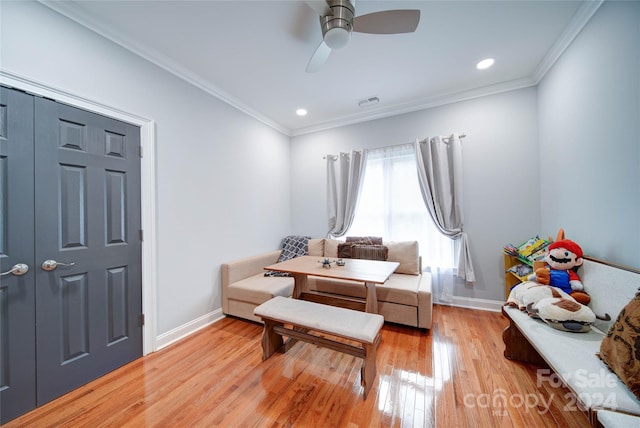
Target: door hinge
column 141, row 320
column 141, row 154
column 141, row 235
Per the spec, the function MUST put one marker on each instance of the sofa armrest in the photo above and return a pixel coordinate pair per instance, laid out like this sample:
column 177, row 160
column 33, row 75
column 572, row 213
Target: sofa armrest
column 244, row 268
column 425, row 301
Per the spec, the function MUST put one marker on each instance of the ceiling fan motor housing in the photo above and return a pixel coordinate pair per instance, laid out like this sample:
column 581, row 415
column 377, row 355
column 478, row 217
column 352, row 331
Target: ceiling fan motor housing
column 336, row 28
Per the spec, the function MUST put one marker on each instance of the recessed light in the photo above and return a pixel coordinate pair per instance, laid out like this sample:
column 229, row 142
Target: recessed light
column 301, row 112
column 484, row 64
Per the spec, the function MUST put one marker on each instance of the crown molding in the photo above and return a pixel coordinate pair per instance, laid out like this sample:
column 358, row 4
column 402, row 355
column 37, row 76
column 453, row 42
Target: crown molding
column 75, row 13
column 422, row 104
column 580, row 19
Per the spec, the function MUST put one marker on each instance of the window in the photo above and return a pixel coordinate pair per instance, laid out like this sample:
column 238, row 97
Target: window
column 390, row 205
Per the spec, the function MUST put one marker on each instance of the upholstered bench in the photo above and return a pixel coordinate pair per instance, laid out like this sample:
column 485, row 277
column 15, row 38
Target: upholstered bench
column 610, row 419
column 305, row 317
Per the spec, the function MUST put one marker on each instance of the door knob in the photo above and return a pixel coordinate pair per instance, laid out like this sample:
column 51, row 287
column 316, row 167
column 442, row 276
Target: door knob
column 49, row 265
column 17, row 269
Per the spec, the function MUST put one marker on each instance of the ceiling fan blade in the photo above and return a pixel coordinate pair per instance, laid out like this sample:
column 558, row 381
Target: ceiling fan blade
column 319, row 57
column 387, row 22
column 320, row 6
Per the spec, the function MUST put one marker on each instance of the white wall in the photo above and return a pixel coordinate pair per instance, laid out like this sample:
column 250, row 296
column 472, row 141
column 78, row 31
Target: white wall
column 500, row 157
column 222, row 177
column 563, row 154
column 589, row 112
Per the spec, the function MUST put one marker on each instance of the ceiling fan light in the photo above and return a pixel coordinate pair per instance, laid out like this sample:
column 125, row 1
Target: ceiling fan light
column 337, row 37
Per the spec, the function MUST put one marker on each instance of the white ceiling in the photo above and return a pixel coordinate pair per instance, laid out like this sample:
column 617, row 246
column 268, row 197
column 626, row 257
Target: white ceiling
column 253, row 54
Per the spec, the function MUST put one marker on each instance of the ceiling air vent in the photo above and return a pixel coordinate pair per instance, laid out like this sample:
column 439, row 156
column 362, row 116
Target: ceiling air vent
column 367, row 102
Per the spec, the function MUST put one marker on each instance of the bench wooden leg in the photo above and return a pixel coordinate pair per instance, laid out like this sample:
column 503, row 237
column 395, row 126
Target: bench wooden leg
column 271, row 341
column 518, row 348
column 368, row 370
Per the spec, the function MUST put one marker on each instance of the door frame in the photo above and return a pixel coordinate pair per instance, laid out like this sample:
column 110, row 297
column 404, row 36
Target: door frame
column 147, row 183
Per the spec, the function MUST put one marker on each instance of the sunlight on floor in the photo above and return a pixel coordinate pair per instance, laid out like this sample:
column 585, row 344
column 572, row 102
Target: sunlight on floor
column 406, row 396
column 442, row 357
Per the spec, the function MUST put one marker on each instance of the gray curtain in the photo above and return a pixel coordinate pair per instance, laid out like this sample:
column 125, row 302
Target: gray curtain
column 439, row 163
column 343, row 188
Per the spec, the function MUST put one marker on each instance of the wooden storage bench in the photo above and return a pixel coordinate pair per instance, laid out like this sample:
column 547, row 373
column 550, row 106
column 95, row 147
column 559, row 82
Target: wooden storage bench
column 573, row 356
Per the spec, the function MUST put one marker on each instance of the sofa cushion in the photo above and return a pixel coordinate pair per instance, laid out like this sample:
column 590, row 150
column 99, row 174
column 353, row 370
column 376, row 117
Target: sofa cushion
column 316, row 247
column 399, row 288
column 258, row 288
column 331, row 247
column 336, row 286
column 406, row 253
column 620, row 349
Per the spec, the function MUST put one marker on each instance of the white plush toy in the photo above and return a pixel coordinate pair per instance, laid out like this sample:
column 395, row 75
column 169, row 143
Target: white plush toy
column 552, row 305
column 528, row 292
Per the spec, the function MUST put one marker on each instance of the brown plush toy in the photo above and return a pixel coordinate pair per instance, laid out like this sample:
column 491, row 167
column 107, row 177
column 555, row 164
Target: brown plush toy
column 563, row 258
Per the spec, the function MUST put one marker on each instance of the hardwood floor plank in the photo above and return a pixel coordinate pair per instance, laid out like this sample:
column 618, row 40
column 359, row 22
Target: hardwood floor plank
column 454, row 375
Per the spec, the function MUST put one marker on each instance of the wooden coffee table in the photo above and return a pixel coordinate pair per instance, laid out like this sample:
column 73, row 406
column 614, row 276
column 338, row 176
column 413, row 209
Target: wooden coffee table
column 369, row 272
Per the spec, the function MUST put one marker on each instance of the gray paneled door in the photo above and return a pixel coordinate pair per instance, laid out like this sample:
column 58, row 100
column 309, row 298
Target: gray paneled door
column 85, row 252
column 17, row 292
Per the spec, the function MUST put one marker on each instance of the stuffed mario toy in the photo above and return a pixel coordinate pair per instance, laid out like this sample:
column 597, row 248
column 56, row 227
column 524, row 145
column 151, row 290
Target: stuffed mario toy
column 557, row 297
column 563, row 259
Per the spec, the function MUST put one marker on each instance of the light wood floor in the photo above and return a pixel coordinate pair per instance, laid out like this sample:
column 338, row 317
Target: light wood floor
column 452, row 376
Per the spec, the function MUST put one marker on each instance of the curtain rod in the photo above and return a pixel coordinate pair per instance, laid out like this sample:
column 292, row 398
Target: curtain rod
column 335, row 157
column 461, row 136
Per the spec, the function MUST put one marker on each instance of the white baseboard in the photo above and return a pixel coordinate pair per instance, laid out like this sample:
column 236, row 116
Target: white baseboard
column 178, row 333
column 471, row 303
column 172, row 336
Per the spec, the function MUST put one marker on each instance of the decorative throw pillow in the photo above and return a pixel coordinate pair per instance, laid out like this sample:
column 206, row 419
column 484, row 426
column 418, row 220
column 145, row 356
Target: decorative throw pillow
column 620, row 349
column 345, row 250
column 292, row 246
column 407, row 254
column 365, row 240
column 369, row 252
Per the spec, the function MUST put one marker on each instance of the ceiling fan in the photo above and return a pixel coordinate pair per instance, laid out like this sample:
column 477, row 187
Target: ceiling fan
column 337, row 22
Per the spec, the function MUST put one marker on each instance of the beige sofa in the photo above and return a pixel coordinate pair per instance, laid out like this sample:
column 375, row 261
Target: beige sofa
column 404, row 299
